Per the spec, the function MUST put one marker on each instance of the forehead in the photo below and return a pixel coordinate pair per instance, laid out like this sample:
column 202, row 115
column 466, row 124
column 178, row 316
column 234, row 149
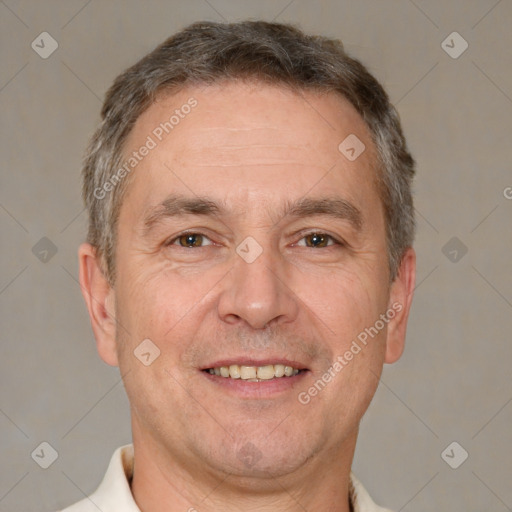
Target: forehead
column 252, row 142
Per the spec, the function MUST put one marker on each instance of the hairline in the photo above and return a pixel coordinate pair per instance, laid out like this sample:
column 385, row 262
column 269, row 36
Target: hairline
column 164, row 92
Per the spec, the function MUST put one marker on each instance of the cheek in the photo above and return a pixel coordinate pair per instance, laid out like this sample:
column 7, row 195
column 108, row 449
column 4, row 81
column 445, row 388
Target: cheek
column 349, row 304
column 346, row 301
column 160, row 303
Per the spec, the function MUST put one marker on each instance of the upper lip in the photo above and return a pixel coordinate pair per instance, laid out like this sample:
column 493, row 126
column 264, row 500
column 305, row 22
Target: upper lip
column 251, row 361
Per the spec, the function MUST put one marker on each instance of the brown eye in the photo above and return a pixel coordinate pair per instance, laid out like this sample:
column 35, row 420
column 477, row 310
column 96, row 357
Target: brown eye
column 190, row 240
column 317, row 240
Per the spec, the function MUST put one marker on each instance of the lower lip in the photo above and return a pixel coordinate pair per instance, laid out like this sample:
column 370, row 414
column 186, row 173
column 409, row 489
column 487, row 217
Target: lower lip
column 261, row 389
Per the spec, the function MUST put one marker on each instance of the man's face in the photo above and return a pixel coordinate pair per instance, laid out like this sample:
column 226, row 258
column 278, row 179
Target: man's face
column 246, row 237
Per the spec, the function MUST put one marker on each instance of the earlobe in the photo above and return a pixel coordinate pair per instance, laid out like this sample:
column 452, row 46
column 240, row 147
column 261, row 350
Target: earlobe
column 100, row 300
column 400, row 299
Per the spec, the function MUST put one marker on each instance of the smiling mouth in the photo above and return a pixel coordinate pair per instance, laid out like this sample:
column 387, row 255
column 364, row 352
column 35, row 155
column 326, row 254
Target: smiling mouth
column 254, row 373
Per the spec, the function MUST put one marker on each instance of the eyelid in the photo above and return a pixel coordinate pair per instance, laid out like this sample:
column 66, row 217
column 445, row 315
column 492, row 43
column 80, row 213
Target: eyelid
column 174, row 238
column 331, row 242
column 335, row 239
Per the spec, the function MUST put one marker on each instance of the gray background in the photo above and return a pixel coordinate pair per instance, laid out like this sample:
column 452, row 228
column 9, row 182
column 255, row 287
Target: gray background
column 454, row 380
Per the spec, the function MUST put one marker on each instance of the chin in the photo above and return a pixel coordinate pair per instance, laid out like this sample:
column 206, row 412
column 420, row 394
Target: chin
column 262, row 457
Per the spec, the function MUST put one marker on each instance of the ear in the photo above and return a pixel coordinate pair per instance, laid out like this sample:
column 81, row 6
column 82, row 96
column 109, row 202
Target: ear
column 100, row 300
column 400, row 299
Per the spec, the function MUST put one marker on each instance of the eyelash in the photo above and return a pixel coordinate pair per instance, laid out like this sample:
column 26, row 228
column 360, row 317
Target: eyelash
column 330, row 238
column 173, row 240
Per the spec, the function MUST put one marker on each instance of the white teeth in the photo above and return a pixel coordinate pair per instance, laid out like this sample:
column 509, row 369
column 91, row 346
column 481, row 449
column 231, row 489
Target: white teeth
column 266, row 372
column 234, row 371
column 254, row 373
column 279, row 370
column 288, row 371
column 247, row 372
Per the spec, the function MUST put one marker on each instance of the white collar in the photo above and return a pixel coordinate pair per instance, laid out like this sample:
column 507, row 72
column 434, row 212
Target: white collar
column 114, row 494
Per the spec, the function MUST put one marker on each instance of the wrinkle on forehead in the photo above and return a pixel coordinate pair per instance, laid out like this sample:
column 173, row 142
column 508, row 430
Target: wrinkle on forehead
column 250, row 154
column 255, row 147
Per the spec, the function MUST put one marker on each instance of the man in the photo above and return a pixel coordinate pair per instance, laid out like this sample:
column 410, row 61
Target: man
column 248, row 267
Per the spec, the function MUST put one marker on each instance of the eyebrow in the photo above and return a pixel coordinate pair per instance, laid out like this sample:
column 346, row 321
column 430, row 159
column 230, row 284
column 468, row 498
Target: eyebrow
column 177, row 206
column 337, row 208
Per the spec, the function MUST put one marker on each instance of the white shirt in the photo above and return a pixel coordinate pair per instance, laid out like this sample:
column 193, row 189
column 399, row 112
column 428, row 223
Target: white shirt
column 114, row 494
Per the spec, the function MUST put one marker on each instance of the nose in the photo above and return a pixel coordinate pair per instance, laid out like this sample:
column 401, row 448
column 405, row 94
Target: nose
column 257, row 293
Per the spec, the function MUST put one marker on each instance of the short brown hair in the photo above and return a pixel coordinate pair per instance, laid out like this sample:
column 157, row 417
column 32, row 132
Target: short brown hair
column 206, row 52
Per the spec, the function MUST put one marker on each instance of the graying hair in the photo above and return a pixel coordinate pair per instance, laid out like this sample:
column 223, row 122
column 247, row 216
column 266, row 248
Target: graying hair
column 205, row 53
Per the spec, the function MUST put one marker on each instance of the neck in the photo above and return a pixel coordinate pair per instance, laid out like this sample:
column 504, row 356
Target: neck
column 163, row 482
